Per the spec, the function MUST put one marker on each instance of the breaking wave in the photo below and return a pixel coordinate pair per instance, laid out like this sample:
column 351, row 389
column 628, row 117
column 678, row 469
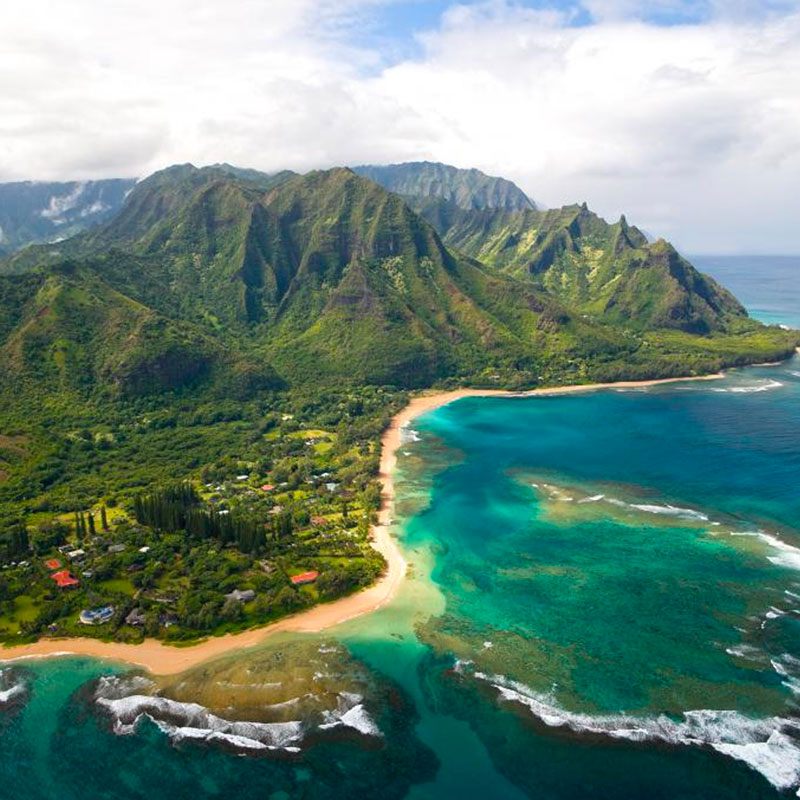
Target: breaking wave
column 769, row 745
column 125, row 701
column 652, row 508
column 12, row 687
column 764, row 386
column 787, row 555
column 408, row 434
column 672, row 511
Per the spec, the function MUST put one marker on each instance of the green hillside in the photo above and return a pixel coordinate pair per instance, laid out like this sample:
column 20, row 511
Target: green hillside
column 252, row 335
column 330, row 277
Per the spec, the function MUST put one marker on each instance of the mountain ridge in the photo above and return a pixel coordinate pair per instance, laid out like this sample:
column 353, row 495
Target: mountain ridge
column 468, row 189
column 329, row 276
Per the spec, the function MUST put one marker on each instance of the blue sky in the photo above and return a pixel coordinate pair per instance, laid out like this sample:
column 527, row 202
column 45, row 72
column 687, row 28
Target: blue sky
column 682, row 114
column 400, row 20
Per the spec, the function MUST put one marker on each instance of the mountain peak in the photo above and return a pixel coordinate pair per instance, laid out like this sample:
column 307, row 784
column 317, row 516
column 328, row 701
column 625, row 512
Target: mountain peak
column 428, row 181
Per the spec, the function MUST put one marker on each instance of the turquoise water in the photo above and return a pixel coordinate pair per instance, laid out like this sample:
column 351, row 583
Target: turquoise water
column 604, row 602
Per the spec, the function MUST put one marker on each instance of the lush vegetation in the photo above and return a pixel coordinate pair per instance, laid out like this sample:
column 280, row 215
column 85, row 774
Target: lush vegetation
column 270, row 494
column 191, row 395
column 467, row 189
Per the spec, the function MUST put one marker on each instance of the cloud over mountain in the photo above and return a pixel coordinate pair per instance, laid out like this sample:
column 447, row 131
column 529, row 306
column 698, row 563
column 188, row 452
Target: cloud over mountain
column 690, row 127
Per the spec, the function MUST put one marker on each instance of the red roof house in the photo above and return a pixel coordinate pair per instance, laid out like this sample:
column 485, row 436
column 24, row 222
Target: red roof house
column 64, row 579
column 304, row 577
column 52, row 563
column 267, row 487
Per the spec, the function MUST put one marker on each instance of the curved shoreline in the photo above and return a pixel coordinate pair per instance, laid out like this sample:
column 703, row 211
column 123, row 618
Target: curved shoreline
column 162, row 659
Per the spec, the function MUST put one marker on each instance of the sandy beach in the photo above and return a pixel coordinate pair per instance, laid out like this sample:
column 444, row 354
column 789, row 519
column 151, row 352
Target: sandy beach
column 162, row 659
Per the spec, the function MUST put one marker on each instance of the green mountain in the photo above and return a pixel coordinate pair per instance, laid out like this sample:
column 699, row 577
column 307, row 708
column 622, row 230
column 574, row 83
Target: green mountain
column 468, row 189
column 329, row 277
column 607, row 271
column 35, row 211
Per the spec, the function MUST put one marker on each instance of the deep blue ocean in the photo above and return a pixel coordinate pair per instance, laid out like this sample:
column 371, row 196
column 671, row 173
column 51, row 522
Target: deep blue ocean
column 769, row 286
column 604, row 602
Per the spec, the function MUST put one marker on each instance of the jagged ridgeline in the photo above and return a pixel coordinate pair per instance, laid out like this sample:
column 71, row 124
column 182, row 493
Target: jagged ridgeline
column 607, row 271
column 238, row 281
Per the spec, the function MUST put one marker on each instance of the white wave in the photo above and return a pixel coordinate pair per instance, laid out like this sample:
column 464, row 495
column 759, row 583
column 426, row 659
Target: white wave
column 794, row 372
column 788, row 555
column 243, row 743
column 9, row 694
column 745, row 651
column 764, row 386
column 191, row 720
column 763, row 743
column 654, row 508
column 791, row 682
column 672, row 511
column 182, row 721
column 350, row 713
column 593, row 499
column 408, row 434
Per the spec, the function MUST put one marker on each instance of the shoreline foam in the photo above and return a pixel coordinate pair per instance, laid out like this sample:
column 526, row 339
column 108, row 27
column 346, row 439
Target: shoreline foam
column 163, row 659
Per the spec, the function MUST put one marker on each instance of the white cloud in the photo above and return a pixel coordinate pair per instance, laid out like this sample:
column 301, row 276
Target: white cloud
column 692, row 130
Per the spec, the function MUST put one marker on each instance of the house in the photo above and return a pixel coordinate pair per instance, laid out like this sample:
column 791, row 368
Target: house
column 242, row 477
column 317, row 520
column 304, row 578
column 136, row 617
column 52, row 563
column 116, row 548
column 331, row 487
column 144, row 549
column 267, row 487
column 64, row 579
column 96, row 616
column 241, row 595
column 75, row 554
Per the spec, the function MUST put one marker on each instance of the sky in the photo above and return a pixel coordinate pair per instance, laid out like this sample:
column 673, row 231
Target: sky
column 682, row 114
